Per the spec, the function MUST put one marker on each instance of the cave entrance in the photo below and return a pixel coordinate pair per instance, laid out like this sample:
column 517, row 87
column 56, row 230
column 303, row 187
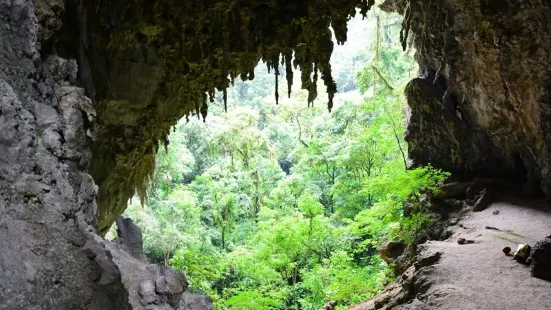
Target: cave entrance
column 281, row 205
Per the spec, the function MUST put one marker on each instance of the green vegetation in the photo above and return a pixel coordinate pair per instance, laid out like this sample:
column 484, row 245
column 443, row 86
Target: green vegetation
column 282, row 206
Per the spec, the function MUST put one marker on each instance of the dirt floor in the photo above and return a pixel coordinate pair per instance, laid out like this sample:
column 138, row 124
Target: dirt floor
column 479, row 275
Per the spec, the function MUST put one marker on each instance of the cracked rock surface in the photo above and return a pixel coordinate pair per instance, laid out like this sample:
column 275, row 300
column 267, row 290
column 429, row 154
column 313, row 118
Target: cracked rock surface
column 51, row 256
column 481, row 105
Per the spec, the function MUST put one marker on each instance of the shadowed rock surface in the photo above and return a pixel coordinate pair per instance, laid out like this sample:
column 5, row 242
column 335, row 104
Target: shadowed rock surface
column 147, row 286
column 540, row 259
column 47, row 200
column 130, row 238
column 481, row 104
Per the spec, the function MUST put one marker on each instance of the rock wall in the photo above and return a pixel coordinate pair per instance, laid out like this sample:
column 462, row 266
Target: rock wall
column 147, row 286
column 50, row 254
column 47, row 200
column 481, row 105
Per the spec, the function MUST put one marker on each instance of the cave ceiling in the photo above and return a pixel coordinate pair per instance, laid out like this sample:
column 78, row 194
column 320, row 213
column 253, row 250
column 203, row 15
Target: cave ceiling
column 146, row 64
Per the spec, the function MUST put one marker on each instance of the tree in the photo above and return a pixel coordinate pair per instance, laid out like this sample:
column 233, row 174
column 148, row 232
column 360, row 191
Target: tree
column 282, row 206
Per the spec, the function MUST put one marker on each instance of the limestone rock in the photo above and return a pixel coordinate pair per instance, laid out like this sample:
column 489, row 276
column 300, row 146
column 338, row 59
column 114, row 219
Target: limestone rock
column 483, row 201
column 147, row 286
column 49, row 14
column 540, row 258
column 400, row 295
column 454, row 189
column 391, row 250
column 63, row 71
column 480, row 106
column 427, row 259
column 130, row 238
column 144, row 77
column 47, row 198
column 191, row 301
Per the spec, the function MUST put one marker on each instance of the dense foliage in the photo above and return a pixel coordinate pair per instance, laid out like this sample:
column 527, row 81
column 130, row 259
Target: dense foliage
column 282, row 206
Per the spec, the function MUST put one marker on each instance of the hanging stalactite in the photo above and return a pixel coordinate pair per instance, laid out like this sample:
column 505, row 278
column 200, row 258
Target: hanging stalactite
column 200, row 47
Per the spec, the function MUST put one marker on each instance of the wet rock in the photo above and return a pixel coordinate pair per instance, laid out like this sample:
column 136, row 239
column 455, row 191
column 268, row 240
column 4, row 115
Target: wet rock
column 540, row 258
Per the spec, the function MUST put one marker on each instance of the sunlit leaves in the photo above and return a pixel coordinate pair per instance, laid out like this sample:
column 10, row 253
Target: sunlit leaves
column 282, row 207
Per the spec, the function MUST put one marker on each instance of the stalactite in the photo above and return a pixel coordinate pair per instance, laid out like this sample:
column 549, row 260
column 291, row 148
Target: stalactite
column 197, row 111
column 288, row 72
column 277, row 87
column 313, row 89
column 225, row 97
column 204, row 108
column 211, row 95
column 406, row 24
column 198, row 44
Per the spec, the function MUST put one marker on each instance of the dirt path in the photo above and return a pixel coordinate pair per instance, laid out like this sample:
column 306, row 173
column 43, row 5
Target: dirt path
column 478, row 275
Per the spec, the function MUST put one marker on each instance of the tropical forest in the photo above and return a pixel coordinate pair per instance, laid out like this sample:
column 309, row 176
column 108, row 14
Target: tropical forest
column 274, row 202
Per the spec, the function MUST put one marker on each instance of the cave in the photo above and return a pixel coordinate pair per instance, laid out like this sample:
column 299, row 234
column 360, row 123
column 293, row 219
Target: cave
column 88, row 88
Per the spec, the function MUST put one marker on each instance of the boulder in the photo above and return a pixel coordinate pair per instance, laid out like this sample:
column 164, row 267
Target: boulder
column 540, row 258
column 427, row 259
column 191, row 301
column 130, row 238
column 146, row 286
column 391, row 250
column 483, row 201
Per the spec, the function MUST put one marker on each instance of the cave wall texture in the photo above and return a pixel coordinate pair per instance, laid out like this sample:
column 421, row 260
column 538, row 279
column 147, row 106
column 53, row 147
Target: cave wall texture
column 88, row 88
column 481, row 105
column 47, row 200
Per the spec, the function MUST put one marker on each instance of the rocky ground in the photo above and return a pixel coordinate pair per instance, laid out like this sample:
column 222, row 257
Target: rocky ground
column 476, row 274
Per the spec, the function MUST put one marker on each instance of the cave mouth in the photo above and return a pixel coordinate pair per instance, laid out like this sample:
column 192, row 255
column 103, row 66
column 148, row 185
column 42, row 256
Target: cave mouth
column 265, row 202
